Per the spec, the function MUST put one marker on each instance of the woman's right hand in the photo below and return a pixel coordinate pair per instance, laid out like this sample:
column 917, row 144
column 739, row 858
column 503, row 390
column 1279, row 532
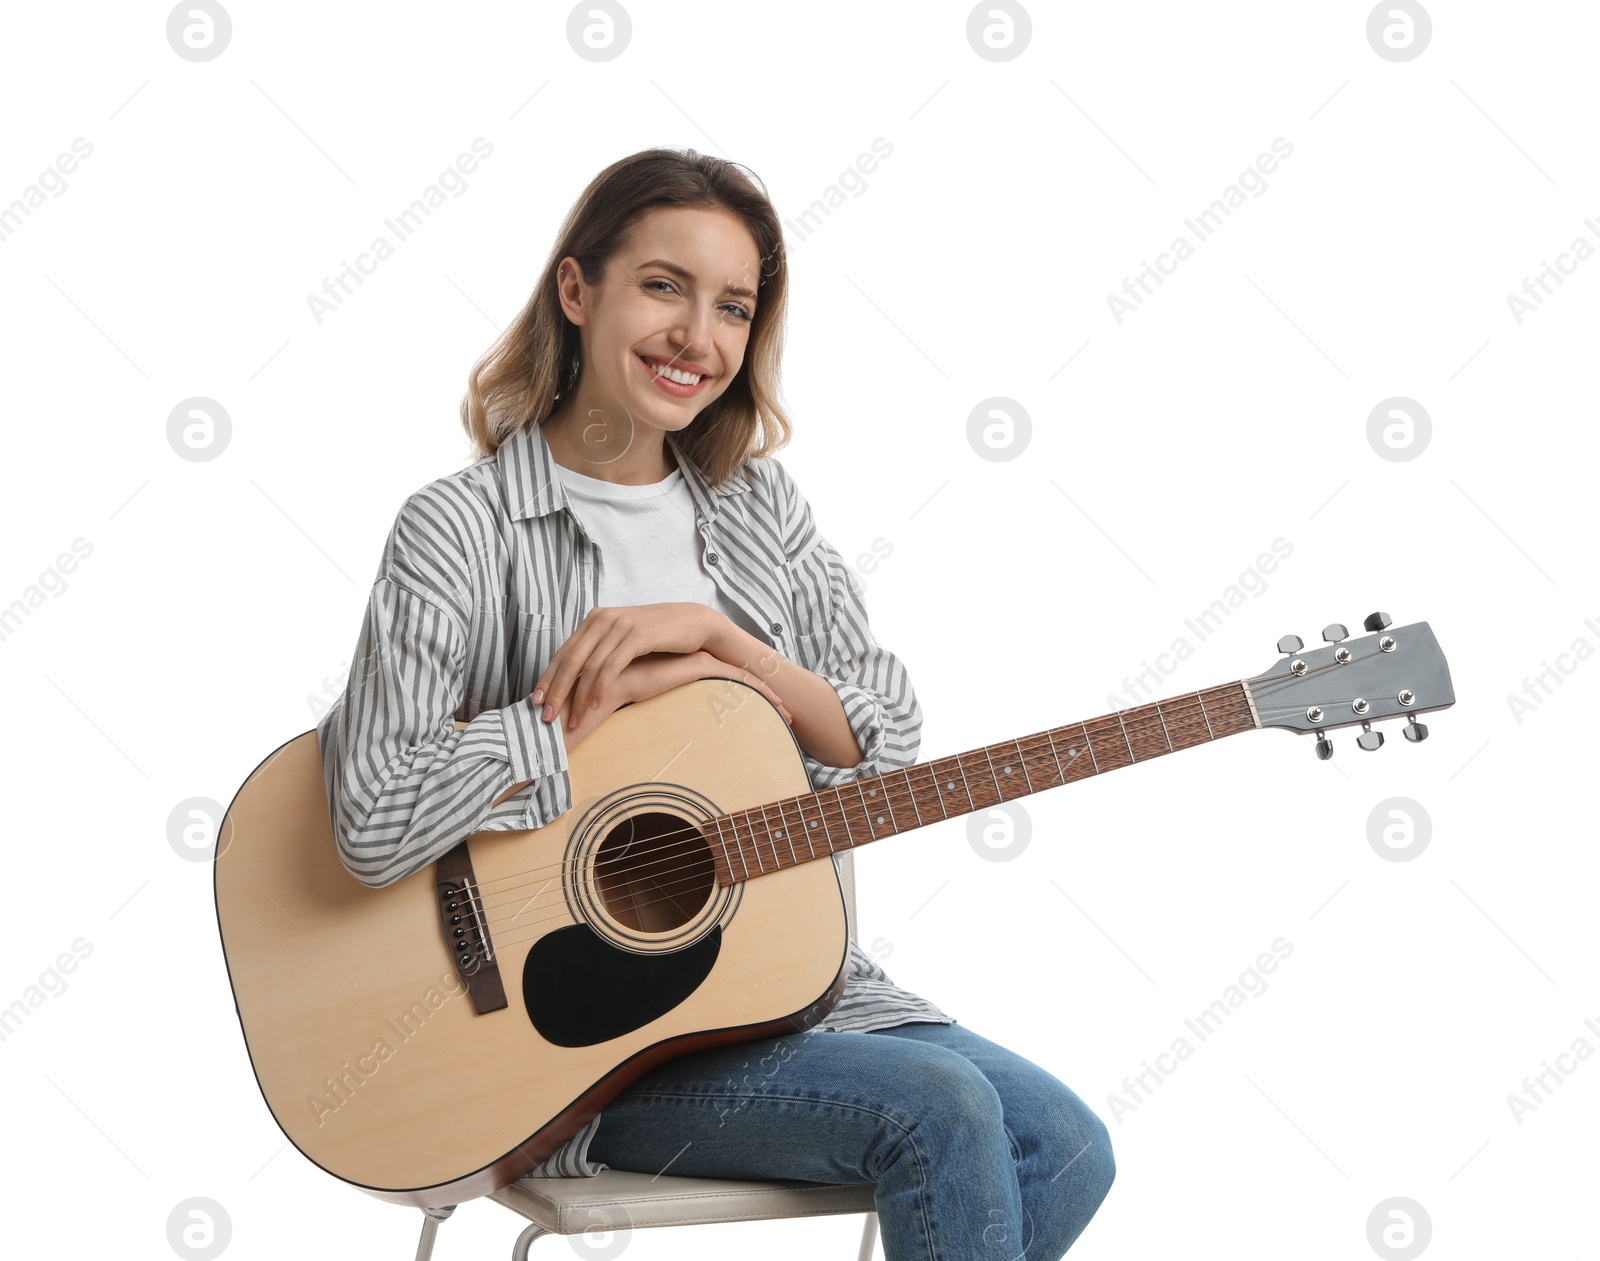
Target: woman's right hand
column 646, row 676
column 656, row 672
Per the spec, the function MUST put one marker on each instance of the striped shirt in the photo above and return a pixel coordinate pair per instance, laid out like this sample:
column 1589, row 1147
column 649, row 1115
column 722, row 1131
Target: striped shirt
column 485, row 573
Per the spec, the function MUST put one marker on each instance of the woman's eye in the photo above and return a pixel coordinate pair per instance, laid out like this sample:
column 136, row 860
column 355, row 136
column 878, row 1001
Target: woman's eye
column 739, row 311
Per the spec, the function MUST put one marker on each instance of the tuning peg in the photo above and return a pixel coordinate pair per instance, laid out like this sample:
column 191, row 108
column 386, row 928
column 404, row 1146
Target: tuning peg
column 1414, row 731
column 1290, row 644
column 1369, row 739
column 1324, row 746
column 1333, row 632
column 1377, row 621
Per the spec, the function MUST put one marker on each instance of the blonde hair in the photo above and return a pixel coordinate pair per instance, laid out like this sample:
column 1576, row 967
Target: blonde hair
column 537, row 360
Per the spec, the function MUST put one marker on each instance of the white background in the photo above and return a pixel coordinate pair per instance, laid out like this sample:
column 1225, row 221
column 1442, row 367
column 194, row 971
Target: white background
column 218, row 608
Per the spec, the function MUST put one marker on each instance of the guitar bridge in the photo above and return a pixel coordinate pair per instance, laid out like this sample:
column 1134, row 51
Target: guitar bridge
column 466, row 930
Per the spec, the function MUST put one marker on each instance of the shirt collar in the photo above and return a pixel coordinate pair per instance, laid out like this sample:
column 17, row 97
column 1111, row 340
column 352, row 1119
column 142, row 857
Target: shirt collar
column 533, row 485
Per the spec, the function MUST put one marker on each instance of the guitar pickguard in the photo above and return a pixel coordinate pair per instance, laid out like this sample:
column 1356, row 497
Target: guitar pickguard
column 581, row 990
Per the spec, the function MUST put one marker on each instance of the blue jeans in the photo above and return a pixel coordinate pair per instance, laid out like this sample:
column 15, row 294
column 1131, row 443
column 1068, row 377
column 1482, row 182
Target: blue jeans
column 977, row 1153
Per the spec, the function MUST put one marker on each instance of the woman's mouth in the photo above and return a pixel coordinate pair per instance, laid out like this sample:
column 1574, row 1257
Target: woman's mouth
column 673, row 380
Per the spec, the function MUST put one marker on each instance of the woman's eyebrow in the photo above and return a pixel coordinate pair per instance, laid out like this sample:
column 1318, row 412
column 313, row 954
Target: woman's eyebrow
column 683, row 274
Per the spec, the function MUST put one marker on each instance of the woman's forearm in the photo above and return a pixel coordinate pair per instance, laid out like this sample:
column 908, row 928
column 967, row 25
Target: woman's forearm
column 820, row 724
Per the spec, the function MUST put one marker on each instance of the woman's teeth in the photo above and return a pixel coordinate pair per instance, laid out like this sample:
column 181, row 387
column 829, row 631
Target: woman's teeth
column 672, row 374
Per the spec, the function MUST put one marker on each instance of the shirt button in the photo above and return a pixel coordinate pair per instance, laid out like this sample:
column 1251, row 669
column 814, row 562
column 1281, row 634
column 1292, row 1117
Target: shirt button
column 711, row 558
column 776, row 628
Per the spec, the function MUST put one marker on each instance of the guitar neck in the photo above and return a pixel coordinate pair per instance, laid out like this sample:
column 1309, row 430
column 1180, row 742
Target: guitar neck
column 798, row 829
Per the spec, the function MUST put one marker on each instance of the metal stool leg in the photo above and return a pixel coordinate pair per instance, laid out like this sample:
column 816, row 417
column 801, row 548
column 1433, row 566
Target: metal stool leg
column 869, row 1236
column 431, row 1217
column 525, row 1241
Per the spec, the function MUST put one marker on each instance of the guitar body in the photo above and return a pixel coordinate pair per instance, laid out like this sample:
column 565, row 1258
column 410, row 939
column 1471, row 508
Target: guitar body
column 615, row 948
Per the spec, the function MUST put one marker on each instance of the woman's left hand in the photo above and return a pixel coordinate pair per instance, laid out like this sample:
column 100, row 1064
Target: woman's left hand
column 588, row 664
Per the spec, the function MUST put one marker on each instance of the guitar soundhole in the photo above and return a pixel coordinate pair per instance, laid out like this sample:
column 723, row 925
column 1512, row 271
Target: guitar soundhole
column 654, row 872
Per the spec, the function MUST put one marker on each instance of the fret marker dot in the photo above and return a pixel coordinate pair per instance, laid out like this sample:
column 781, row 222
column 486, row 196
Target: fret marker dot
column 778, row 833
column 813, row 823
column 1072, row 753
column 880, row 818
column 950, row 783
column 872, row 792
column 1008, row 770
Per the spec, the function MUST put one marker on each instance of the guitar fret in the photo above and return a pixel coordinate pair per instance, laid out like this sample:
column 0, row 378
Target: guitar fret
column 888, row 804
column 1023, row 758
column 755, row 849
column 1093, row 761
column 727, row 858
column 866, row 811
column 1051, row 738
column 949, row 786
column 828, row 831
column 1204, row 715
column 1125, row 739
column 999, row 792
column 912, row 793
column 933, row 783
column 805, row 827
column 844, row 818
column 772, row 839
column 788, row 832
column 1164, row 730
column 966, row 786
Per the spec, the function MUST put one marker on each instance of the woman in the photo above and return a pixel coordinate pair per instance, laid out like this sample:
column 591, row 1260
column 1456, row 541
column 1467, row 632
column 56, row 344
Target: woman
column 624, row 532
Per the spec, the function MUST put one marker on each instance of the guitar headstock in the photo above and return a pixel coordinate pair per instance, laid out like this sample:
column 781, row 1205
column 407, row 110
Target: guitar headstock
column 1392, row 672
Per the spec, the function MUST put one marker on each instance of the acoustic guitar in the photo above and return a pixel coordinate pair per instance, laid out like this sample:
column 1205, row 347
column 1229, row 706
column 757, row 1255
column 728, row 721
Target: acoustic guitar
column 433, row 1040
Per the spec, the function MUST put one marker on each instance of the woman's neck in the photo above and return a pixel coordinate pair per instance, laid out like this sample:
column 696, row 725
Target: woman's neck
column 645, row 461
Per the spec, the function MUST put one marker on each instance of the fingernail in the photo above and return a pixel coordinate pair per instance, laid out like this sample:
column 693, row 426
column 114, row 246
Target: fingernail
column 594, row 702
column 538, row 695
column 549, row 712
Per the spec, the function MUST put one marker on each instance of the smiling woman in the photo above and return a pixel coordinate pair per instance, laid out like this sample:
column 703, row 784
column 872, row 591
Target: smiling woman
column 623, row 532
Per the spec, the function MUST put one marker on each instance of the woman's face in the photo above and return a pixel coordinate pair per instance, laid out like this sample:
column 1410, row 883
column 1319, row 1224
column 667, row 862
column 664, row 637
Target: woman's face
column 681, row 294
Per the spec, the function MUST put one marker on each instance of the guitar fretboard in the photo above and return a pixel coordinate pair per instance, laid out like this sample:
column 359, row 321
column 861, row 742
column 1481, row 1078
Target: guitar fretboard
column 813, row 825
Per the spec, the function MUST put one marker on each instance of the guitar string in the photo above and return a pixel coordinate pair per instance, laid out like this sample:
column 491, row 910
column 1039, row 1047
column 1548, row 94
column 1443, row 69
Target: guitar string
column 805, row 853
column 670, row 890
column 665, row 843
column 840, row 815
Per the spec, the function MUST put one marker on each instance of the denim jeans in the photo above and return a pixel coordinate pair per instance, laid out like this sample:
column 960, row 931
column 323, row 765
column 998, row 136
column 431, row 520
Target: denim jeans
column 977, row 1153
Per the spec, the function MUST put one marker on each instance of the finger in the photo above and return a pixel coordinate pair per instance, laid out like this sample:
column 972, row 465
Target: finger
column 585, row 694
column 564, row 668
column 765, row 690
column 571, row 658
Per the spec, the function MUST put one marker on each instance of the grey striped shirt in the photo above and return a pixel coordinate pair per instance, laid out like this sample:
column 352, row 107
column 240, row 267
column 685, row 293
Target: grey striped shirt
column 486, row 572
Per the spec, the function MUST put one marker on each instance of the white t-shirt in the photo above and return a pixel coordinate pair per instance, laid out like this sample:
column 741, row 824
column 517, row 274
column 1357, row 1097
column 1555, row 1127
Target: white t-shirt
column 650, row 549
